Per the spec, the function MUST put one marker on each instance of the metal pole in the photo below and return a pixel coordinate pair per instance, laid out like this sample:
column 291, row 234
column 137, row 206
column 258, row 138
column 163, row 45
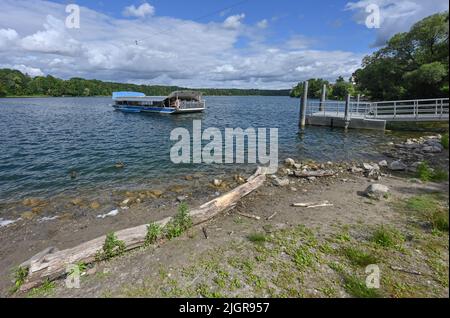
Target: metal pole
column 324, row 97
column 357, row 103
column 346, row 114
column 304, row 103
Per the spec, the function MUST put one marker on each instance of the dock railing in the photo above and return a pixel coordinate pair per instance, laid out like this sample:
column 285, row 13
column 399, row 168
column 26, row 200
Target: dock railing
column 414, row 110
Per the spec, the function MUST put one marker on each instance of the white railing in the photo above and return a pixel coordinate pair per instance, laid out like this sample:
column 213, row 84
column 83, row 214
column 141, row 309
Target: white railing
column 192, row 104
column 419, row 109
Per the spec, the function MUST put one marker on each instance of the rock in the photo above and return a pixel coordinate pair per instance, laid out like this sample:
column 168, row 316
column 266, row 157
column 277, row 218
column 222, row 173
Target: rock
column 311, row 178
column 239, row 179
column 289, row 162
column 397, row 165
column 280, row 182
column 76, row 201
column 126, row 202
column 293, row 189
column 156, row 193
column 383, row 163
column 188, row 178
column 34, row 202
column 297, row 166
column 376, row 191
column 27, row 215
column 94, row 205
column 217, row 182
column 432, row 149
column 120, row 165
column 37, row 210
column 181, row 198
column 355, row 169
column 367, row 166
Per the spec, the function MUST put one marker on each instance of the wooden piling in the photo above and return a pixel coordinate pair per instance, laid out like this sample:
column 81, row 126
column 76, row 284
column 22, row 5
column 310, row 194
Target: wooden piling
column 347, row 111
column 303, row 105
column 323, row 98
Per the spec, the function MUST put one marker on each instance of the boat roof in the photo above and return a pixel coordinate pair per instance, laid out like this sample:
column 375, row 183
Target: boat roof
column 127, row 94
column 187, row 95
column 192, row 95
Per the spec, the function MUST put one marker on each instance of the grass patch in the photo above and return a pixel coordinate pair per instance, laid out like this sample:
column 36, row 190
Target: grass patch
column 358, row 257
column 429, row 208
column 357, row 287
column 44, row 290
column 111, row 248
column 426, row 173
column 257, row 238
column 153, row 232
column 303, row 257
column 444, row 141
column 387, row 237
column 180, row 222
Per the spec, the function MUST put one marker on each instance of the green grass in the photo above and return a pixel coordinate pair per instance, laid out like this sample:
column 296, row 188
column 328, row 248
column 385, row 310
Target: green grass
column 153, row 233
column 44, row 290
column 387, row 237
column 258, row 238
column 111, row 248
column 358, row 257
column 429, row 208
column 444, row 141
column 357, row 287
column 426, row 173
column 303, row 257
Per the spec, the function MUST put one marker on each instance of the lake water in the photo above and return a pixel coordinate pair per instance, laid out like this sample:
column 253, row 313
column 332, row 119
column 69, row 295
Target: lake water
column 43, row 139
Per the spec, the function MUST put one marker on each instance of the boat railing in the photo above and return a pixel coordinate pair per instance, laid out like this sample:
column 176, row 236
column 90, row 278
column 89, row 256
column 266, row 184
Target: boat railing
column 192, row 104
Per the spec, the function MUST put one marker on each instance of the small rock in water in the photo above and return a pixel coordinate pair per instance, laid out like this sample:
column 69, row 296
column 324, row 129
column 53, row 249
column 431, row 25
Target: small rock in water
column 95, row 205
column 119, row 165
column 126, row 202
column 289, row 162
column 397, row 166
column 376, row 191
column 217, row 182
column 73, row 174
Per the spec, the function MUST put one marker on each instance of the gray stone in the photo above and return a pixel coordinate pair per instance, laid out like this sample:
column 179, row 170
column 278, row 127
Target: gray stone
column 280, row 182
column 289, row 162
column 367, row 166
column 397, row 165
column 376, row 191
column 383, row 163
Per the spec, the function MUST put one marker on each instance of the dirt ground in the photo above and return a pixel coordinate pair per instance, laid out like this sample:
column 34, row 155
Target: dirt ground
column 300, row 252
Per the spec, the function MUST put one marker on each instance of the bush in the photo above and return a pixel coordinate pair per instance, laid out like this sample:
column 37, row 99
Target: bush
column 180, row 222
column 387, row 237
column 153, row 232
column 111, row 248
column 426, row 173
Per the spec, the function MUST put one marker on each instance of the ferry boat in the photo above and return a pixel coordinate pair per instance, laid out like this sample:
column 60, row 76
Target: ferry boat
column 178, row 102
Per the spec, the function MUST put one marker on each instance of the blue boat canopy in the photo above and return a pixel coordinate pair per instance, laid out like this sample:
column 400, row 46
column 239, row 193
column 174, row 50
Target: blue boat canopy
column 127, row 94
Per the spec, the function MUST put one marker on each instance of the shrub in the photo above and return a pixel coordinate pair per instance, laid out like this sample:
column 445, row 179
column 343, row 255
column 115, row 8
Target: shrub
column 180, row 222
column 153, row 232
column 111, row 248
column 444, row 141
column 386, row 237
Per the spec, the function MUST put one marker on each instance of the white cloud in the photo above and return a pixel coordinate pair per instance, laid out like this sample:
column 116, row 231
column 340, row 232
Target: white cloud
column 234, row 21
column 7, row 37
column 142, row 11
column 104, row 48
column 32, row 71
column 396, row 15
column 263, row 24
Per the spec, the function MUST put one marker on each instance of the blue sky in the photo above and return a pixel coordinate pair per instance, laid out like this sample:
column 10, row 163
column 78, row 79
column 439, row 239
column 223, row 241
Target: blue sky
column 201, row 43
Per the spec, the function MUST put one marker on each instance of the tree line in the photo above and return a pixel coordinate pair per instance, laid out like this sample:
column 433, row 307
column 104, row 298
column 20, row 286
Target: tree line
column 15, row 83
column 411, row 65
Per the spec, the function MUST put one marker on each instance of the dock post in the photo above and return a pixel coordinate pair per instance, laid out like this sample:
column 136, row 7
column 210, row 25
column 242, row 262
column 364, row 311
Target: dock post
column 357, row 103
column 347, row 108
column 303, row 104
column 324, row 97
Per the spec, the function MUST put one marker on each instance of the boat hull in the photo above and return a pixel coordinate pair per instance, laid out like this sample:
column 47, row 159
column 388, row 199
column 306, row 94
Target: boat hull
column 160, row 110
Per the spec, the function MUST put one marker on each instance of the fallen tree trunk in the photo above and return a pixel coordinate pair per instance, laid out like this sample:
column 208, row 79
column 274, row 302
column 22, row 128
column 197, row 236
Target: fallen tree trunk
column 50, row 266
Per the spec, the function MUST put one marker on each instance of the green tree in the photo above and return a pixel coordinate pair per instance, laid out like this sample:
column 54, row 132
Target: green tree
column 315, row 86
column 413, row 64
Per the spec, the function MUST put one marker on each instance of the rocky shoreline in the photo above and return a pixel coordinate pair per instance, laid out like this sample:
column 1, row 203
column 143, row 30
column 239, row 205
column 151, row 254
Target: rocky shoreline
column 295, row 176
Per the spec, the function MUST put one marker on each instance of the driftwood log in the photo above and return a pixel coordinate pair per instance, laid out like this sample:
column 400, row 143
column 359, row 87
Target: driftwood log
column 50, row 266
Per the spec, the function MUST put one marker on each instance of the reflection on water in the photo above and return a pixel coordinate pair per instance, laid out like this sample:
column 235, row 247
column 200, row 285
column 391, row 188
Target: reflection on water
column 43, row 140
